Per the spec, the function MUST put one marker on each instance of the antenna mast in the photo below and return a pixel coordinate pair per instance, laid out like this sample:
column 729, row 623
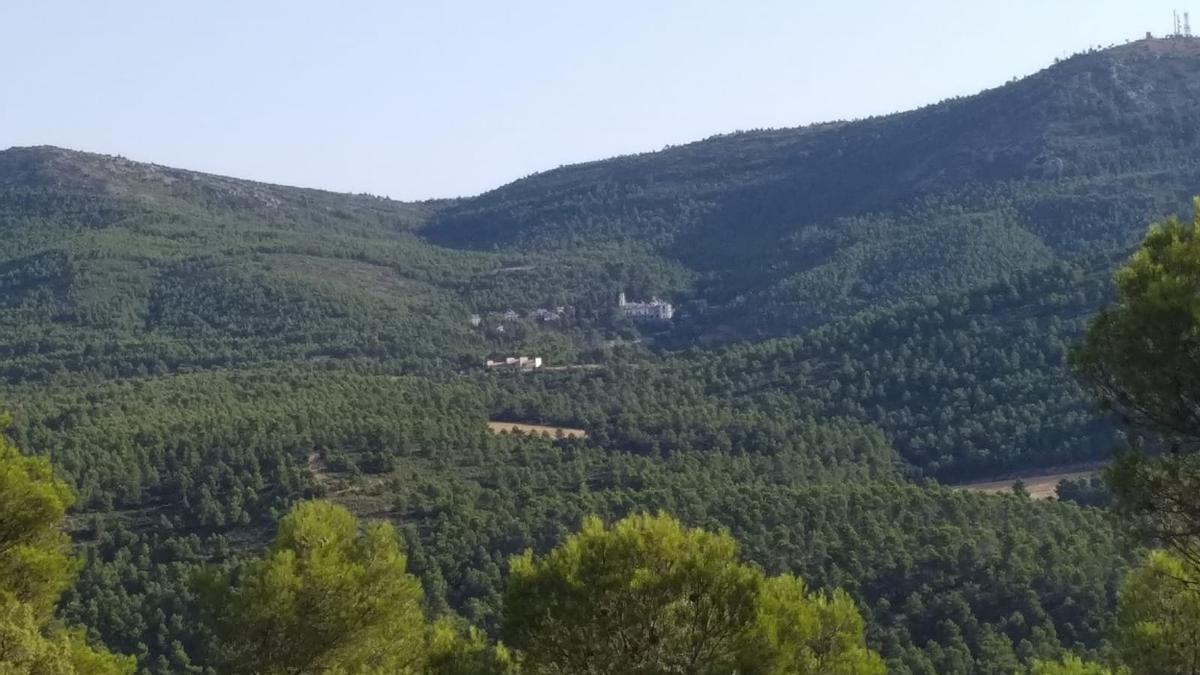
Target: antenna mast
column 1183, row 25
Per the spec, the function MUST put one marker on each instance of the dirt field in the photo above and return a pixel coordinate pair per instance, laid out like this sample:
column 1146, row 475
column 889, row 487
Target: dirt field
column 497, row 427
column 1040, row 486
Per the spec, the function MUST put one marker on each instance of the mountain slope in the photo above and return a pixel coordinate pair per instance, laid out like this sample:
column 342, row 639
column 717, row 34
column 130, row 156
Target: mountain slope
column 125, row 268
column 45, row 168
column 804, row 224
column 122, row 268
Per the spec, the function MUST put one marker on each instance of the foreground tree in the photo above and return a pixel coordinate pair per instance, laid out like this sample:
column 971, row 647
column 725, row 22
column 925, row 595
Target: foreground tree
column 1159, row 618
column 35, row 568
column 1142, row 359
column 1142, row 356
column 464, row 650
column 804, row 632
column 1071, row 665
column 650, row 596
column 326, row 598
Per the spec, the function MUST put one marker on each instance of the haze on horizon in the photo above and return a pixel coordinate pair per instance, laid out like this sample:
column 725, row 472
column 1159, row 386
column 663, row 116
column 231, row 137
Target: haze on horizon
column 423, row 100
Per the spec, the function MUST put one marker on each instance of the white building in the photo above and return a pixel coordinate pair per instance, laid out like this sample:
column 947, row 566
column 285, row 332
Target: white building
column 655, row 310
column 515, row 363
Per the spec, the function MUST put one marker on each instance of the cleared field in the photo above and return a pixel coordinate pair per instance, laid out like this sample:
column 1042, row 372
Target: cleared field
column 1041, row 486
column 497, row 427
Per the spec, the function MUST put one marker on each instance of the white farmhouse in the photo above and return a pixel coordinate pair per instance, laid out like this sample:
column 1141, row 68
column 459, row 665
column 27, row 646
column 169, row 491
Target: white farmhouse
column 655, row 310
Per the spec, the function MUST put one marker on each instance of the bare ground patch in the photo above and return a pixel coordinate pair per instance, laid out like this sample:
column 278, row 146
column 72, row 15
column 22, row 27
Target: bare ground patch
column 1039, row 486
column 535, row 429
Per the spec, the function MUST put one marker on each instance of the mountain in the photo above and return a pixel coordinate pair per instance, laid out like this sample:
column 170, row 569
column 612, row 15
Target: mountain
column 755, row 234
column 124, row 268
column 929, row 235
column 993, row 215
column 64, row 171
column 787, row 228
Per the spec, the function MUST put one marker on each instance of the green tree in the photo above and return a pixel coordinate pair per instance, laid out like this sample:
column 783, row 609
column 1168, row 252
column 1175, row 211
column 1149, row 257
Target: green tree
column 1070, row 665
column 803, row 632
column 1142, row 359
column 651, row 596
column 35, row 562
column 1142, row 356
column 35, row 568
column 28, row 646
column 326, row 598
column 1159, row 618
column 464, row 650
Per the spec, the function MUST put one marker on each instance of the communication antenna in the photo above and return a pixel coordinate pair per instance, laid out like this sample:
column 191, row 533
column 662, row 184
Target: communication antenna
column 1187, row 25
column 1178, row 28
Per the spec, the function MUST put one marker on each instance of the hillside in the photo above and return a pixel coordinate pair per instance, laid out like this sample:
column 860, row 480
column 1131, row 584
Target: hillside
column 121, row 268
column 63, row 171
column 791, row 227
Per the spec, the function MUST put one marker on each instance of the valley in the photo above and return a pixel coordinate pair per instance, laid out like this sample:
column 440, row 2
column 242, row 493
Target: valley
column 868, row 341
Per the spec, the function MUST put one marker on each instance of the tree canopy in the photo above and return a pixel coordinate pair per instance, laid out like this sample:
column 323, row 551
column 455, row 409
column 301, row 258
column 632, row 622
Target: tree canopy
column 1069, row 665
column 35, row 568
column 1142, row 359
column 649, row 596
column 1159, row 618
column 326, row 598
column 1142, row 356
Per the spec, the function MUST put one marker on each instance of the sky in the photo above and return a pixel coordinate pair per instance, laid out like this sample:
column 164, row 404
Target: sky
column 417, row 100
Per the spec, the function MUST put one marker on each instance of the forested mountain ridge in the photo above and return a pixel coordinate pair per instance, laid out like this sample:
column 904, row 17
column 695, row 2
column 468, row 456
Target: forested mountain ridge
column 1084, row 116
column 67, row 171
column 120, row 268
column 763, row 233
column 794, row 226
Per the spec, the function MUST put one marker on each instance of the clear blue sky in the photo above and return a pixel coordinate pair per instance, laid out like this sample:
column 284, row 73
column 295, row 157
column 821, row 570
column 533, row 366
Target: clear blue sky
column 432, row 98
